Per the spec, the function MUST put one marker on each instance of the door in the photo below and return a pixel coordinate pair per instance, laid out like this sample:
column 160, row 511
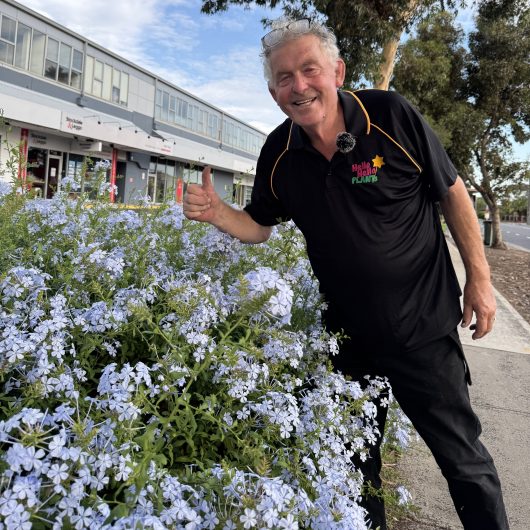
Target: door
column 52, row 179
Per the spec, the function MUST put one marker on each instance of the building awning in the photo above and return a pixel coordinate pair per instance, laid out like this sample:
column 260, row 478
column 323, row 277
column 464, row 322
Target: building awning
column 31, row 109
column 200, row 154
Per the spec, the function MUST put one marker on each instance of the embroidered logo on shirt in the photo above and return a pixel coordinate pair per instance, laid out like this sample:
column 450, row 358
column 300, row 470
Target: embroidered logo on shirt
column 366, row 173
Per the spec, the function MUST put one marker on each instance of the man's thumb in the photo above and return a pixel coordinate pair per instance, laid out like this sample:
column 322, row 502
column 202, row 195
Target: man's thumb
column 207, row 178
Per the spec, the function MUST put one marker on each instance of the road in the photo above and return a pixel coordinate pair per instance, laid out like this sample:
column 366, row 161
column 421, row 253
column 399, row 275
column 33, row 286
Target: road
column 516, row 234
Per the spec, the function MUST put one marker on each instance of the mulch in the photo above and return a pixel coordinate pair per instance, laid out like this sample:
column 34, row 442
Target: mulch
column 510, row 273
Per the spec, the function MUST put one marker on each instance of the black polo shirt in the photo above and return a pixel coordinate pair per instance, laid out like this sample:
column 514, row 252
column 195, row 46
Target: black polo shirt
column 369, row 218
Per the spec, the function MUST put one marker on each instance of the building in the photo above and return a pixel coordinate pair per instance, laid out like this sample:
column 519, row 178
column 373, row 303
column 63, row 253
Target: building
column 66, row 98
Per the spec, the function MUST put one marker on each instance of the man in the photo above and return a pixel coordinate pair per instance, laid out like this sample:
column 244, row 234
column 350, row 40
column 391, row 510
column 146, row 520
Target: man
column 360, row 173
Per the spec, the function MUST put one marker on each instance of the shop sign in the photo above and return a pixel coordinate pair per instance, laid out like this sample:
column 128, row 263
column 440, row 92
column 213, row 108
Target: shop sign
column 95, row 147
column 38, row 139
column 92, row 148
column 73, row 124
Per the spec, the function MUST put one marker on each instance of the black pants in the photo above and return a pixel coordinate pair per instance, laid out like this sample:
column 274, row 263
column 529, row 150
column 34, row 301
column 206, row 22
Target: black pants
column 430, row 385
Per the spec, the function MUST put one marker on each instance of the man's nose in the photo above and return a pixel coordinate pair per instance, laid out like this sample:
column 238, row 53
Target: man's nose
column 299, row 83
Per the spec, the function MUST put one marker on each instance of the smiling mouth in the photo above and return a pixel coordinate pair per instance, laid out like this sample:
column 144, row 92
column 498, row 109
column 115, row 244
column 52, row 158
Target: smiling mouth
column 304, row 102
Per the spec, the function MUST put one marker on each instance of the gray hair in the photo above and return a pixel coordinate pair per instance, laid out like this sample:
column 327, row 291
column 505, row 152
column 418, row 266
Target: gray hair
column 283, row 34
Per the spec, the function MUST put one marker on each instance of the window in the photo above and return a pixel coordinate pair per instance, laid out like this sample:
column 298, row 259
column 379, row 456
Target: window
column 89, row 74
column 77, row 69
column 65, row 61
column 29, row 49
column 162, row 181
column 106, row 91
column 23, row 46
column 171, row 182
column 52, row 59
column 102, row 80
column 36, row 59
column 213, row 126
column 7, row 40
column 242, row 194
column 151, row 184
column 201, row 124
column 8, row 29
column 182, row 111
column 97, row 83
column 116, row 86
column 124, row 89
column 204, row 120
column 192, row 174
column 158, row 104
column 193, row 117
column 172, row 109
column 165, row 105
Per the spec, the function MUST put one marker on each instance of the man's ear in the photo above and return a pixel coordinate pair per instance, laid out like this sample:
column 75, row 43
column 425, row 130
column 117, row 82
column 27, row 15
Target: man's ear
column 340, row 72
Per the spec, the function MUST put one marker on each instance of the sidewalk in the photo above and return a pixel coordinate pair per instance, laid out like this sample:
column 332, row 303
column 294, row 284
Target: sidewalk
column 500, row 369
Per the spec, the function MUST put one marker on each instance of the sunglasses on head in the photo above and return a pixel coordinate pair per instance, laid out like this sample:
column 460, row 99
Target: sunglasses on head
column 296, row 27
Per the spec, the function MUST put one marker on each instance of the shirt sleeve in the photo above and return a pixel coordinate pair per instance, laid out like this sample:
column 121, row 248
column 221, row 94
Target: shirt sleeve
column 417, row 135
column 264, row 207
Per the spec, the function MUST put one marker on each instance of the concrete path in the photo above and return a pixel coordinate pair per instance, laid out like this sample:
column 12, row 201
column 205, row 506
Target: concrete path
column 500, row 369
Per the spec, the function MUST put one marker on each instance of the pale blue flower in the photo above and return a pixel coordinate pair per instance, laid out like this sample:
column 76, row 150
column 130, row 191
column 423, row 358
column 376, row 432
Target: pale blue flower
column 18, row 520
column 249, row 518
column 57, row 473
column 404, row 496
column 5, row 189
column 83, row 518
column 288, row 522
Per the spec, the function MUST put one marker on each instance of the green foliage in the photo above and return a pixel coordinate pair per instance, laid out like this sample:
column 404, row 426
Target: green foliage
column 477, row 100
column 362, row 28
column 147, row 331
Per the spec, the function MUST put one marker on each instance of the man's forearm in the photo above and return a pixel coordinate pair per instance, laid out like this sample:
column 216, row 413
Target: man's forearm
column 239, row 224
column 463, row 223
column 479, row 297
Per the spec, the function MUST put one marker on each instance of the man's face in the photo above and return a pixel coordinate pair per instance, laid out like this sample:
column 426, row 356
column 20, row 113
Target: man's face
column 304, row 81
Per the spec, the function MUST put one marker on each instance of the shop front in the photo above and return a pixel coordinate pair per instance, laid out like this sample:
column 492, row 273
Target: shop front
column 44, row 155
column 50, row 158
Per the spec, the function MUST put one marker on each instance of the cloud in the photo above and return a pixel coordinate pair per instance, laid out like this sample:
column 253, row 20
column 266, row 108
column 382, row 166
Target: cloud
column 213, row 57
column 116, row 25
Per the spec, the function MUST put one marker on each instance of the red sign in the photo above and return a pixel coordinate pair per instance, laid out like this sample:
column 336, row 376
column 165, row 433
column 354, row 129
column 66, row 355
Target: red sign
column 113, row 174
column 180, row 190
column 23, row 152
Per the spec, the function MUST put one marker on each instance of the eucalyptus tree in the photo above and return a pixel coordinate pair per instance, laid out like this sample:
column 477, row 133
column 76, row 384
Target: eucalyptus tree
column 368, row 31
column 475, row 91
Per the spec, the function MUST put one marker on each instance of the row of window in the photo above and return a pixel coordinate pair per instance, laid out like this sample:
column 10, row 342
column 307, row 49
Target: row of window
column 202, row 120
column 40, row 54
column 29, row 49
column 164, row 174
column 237, row 136
column 32, row 50
column 106, row 82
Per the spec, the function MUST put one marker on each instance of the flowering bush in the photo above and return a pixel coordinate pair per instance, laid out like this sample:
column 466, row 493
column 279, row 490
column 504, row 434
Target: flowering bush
column 157, row 373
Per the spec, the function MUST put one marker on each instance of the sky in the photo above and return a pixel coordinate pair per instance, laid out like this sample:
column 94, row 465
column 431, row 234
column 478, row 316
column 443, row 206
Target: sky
column 215, row 57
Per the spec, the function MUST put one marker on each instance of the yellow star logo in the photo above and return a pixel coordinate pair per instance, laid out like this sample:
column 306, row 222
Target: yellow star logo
column 378, row 161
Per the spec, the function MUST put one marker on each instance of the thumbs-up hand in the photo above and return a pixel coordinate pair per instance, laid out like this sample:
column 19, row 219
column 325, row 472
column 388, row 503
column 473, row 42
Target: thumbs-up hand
column 201, row 202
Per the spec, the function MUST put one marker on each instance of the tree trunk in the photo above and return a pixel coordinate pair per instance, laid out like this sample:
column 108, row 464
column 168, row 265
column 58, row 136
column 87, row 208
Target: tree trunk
column 496, row 241
column 484, row 189
column 389, row 58
column 391, row 47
